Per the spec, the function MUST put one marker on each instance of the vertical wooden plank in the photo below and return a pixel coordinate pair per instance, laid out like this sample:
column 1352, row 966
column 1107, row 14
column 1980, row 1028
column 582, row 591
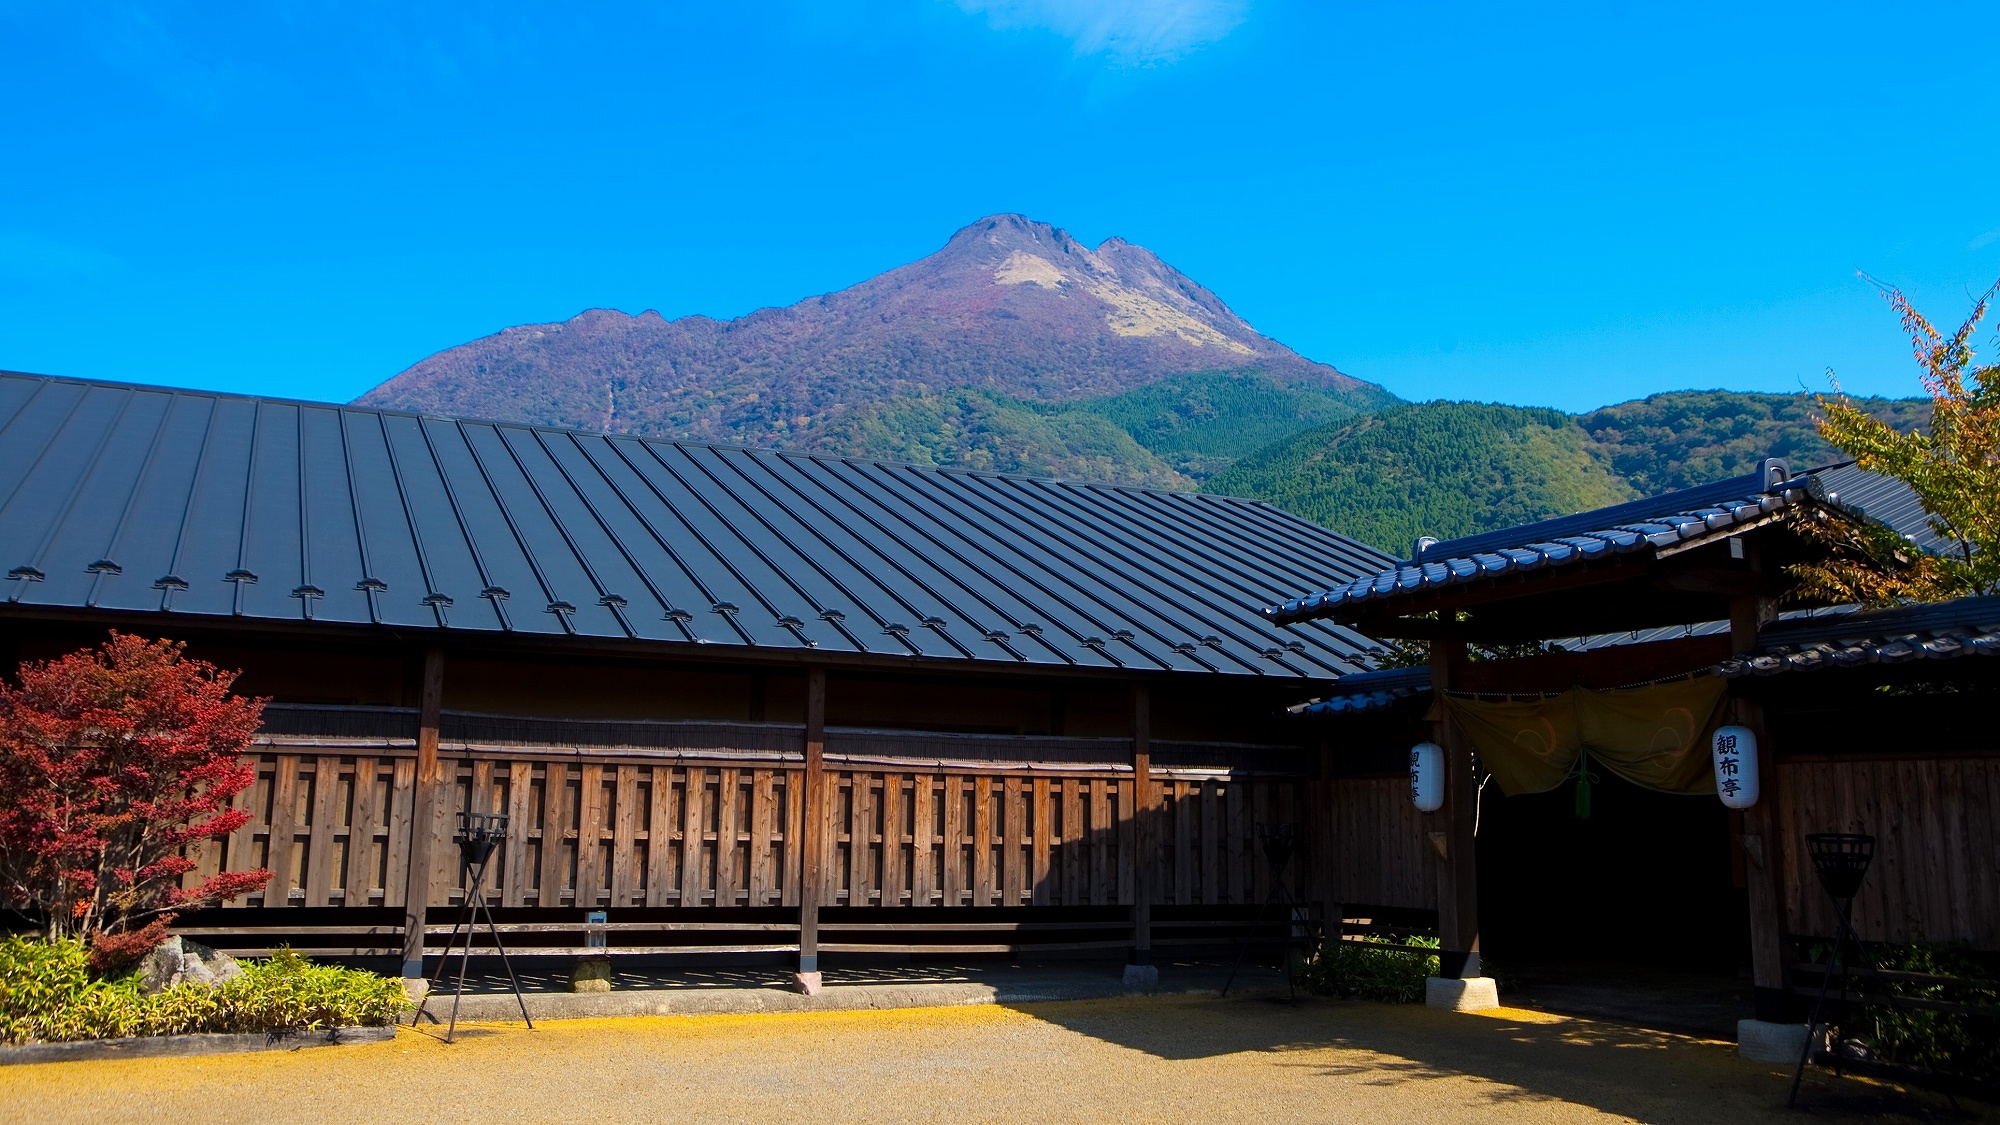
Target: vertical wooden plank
column 555, row 819
column 1070, row 863
column 1984, row 798
column 982, row 841
column 590, row 819
column 1953, row 877
column 1147, row 835
column 923, row 833
column 427, row 798
column 726, row 836
column 1982, row 864
column 402, row 832
column 694, row 825
column 812, row 848
column 1239, row 834
column 893, row 877
column 795, row 837
column 319, row 868
column 517, row 876
column 625, row 836
column 660, row 866
column 1012, row 846
column 1260, row 817
column 284, row 819
column 1184, row 817
column 954, row 840
column 363, row 818
column 1128, row 850
column 763, row 805
column 1102, row 881
column 1211, row 840
column 861, row 853
column 837, row 832
column 1044, row 829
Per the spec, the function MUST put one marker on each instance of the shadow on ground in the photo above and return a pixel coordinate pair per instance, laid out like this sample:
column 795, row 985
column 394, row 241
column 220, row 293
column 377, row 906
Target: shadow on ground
column 1526, row 1057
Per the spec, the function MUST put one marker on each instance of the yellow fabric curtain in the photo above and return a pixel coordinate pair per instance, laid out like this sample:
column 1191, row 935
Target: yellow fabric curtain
column 1654, row 736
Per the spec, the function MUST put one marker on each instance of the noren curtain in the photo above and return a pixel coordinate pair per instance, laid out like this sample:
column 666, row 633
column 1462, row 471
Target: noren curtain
column 1653, row 736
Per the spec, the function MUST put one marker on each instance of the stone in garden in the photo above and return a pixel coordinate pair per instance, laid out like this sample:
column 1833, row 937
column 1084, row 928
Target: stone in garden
column 593, row 974
column 179, row 961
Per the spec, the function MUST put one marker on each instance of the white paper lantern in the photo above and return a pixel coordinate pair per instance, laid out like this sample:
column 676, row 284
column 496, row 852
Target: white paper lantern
column 1735, row 752
column 1427, row 776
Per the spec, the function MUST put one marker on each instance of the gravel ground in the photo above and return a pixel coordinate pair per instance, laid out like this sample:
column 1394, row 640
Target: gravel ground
column 1141, row 1059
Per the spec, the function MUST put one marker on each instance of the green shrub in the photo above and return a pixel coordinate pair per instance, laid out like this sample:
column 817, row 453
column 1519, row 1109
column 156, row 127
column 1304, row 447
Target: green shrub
column 1352, row 968
column 48, row 994
column 1952, row 1043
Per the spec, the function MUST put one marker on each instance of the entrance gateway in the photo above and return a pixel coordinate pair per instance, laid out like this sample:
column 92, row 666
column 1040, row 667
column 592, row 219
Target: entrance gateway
column 1576, row 669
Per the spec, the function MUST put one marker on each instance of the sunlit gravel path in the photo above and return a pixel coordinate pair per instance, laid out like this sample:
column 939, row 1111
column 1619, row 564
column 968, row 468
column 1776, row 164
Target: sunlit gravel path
column 1145, row 1059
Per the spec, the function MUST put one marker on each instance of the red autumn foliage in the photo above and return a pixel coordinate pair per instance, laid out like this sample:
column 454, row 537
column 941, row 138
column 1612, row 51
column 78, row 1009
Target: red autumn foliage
column 114, row 763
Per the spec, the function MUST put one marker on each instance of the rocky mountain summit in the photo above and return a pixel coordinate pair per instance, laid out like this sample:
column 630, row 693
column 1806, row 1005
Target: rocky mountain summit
column 1010, row 314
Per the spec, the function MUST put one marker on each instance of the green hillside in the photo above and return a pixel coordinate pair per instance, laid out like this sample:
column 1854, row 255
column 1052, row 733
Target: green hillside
column 1674, row 440
column 1454, row 468
column 971, row 429
column 1200, row 423
column 1437, row 468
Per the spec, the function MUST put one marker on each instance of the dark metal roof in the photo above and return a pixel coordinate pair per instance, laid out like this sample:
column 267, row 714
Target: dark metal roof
column 1370, row 691
column 126, row 498
column 1938, row 631
column 1653, row 526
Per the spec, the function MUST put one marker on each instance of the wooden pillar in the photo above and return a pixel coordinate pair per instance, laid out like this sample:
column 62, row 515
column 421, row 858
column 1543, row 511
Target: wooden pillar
column 813, row 854
column 1145, row 831
column 1323, row 835
column 430, row 798
column 1763, row 847
column 1458, row 871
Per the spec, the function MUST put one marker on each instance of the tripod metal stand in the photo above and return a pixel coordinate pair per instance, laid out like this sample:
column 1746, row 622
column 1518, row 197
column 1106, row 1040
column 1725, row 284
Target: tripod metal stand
column 478, row 836
column 1841, row 860
column 1279, row 905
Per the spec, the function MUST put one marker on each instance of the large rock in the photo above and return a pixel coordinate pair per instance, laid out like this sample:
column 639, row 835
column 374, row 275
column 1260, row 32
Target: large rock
column 179, row 961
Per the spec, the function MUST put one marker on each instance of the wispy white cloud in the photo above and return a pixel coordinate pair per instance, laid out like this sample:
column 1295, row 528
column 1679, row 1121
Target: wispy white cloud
column 1133, row 31
column 1984, row 240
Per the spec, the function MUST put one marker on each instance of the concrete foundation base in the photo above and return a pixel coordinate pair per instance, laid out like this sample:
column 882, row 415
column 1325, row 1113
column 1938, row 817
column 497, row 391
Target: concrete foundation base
column 1467, row 994
column 1142, row 976
column 808, row 984
column 1759, row 1041
column 593, row 974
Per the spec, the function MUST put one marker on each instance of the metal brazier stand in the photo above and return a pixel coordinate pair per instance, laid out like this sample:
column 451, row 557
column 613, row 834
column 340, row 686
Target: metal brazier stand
column 478, row 835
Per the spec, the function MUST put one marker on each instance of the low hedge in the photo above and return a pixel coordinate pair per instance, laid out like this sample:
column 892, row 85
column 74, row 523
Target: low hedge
column 1360, row 967
column 49, row 995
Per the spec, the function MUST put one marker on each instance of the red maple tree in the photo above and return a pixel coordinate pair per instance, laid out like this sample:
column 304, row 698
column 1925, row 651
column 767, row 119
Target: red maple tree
column 115, row 762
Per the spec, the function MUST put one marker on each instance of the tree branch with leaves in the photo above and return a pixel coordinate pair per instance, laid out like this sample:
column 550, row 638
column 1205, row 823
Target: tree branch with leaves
column 1953, row 467
column 115, row 764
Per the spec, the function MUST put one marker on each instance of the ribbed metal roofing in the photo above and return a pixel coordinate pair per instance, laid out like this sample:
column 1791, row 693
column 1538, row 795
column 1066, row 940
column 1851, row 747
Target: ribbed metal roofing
column 1370, row 691
column 1660, row 523
column 1939, row 631
column 126, row 498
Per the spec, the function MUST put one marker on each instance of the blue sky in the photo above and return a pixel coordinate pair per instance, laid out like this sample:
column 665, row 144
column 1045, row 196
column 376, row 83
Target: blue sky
column 1560, row 205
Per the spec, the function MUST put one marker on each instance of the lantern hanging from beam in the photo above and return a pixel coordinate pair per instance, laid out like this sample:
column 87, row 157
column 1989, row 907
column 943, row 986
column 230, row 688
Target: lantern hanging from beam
column 1427, row 776
column 1735, row 752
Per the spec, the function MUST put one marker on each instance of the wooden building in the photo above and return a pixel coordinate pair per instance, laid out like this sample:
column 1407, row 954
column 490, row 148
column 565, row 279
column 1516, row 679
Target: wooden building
column 1869, row 722
column 742, row 701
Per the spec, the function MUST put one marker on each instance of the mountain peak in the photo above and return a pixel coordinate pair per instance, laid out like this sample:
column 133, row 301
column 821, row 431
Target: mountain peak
column 1008, row 306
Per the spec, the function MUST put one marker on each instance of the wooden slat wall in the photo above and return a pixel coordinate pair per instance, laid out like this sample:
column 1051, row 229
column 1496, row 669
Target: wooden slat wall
column 617, row 833
column 1381, row 850
column 1936, row 823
